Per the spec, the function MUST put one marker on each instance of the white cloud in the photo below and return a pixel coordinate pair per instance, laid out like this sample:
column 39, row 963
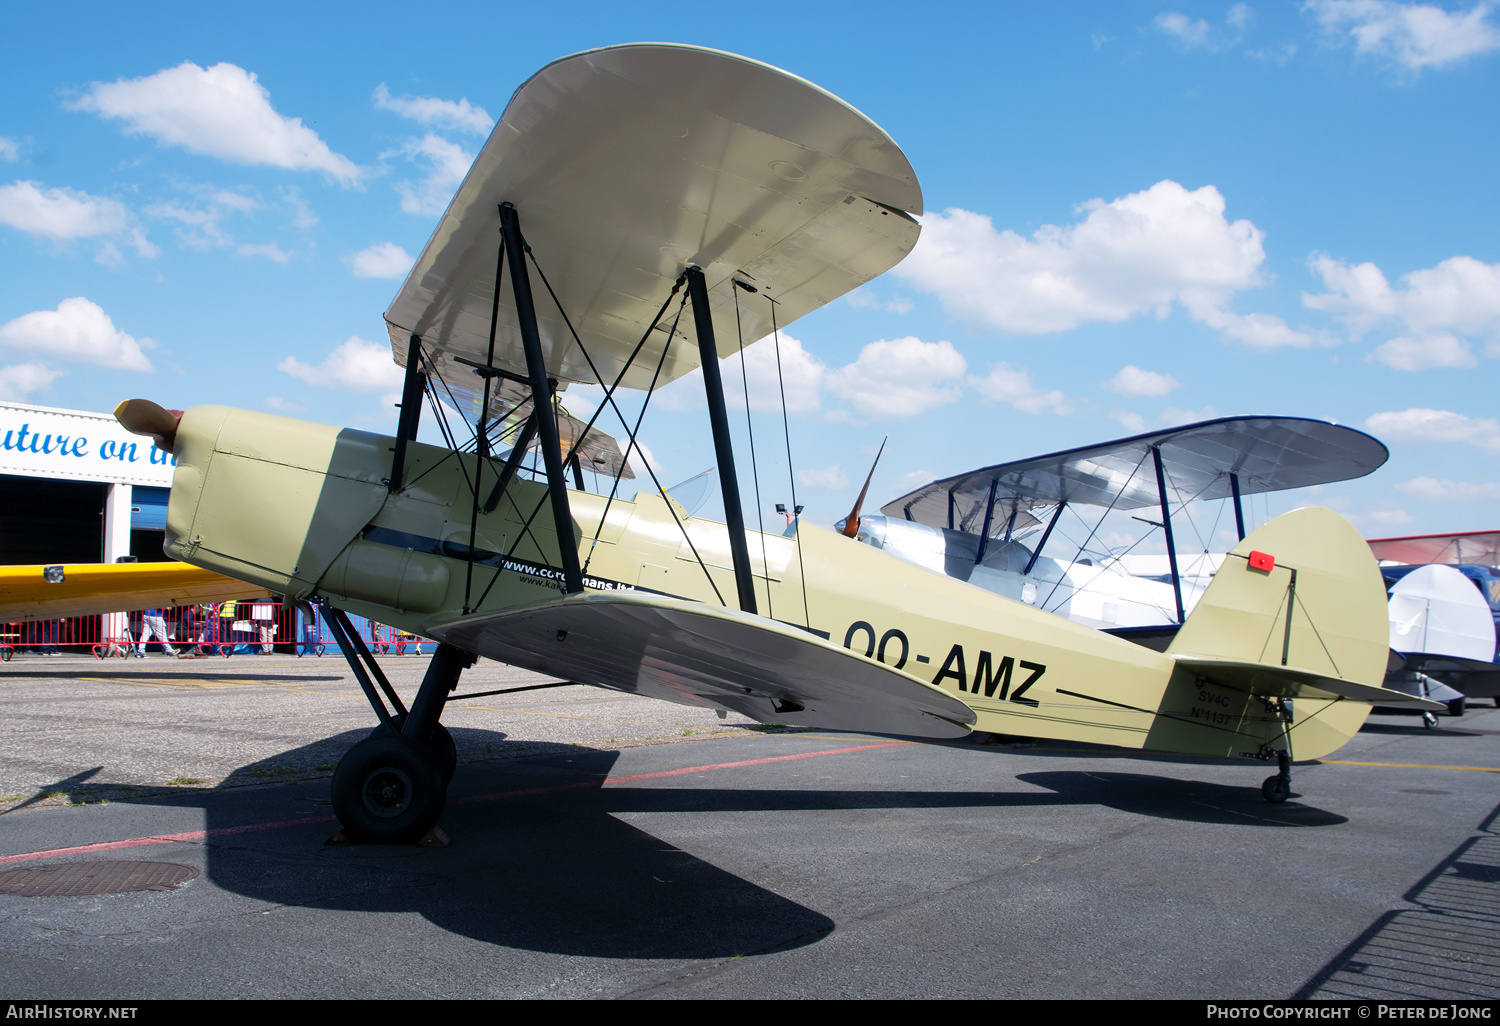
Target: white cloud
column 10, row 150
column 382, row 260
column 1449, row 491
column 1431, row 307
column 281, row 405
column 1390, row 517
column 1172, row 416
column 355, row 365
column 828, row 477
column 1422, row 425
column 446, row 163
column 1415, row 36
column 1137, row 254
column 900, row 377
column 801, row 374
column 1189, row 33
column 641, row 457
column 201, row 217
column 865, row 298
column 1007, row 384
column 76, row 330
column 1131, row 420
column 1132, row 382
column 19, row 380
column 1438, row 350
column 269, row 250
column 911, row 481
column 461, row 116
column 59, row 213
column 1257, row 330
column 222, row 111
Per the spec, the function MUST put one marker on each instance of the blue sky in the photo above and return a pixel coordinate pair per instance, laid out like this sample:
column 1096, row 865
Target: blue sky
column 1137, row 214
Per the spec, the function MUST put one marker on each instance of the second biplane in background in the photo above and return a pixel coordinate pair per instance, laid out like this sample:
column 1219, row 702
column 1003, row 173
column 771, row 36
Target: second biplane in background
column 975, row 526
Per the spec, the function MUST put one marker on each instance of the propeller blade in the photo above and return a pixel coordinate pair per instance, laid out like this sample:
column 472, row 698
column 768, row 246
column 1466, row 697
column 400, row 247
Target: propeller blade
column 851, row 524
column 143, row 417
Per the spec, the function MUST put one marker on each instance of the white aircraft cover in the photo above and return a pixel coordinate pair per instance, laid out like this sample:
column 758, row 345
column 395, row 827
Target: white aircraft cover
column 1436, row 609
column 1268, row 453
column 628, row 164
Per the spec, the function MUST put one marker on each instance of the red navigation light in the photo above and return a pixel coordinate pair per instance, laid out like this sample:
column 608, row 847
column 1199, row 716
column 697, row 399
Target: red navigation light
column 1262, row 561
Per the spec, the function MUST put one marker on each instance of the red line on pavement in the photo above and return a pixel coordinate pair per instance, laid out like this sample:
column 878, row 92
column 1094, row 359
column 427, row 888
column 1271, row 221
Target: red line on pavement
column 250, row 828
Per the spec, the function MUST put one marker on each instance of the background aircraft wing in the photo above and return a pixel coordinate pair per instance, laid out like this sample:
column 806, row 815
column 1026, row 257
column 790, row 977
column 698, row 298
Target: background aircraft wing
column 80, row 589
column 1267, row 453
column 628, row 164
column 1476, row 548
column 700, row 655
column 597, row 451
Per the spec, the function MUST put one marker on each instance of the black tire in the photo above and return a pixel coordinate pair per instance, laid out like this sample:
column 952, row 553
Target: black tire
column 1276, row 789
column 1456, row 707
column 444, row 751
column 388, row 790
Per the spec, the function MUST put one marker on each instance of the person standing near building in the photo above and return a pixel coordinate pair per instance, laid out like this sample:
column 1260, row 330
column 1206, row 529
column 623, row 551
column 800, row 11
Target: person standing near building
column 263, row 615
column 154, row 624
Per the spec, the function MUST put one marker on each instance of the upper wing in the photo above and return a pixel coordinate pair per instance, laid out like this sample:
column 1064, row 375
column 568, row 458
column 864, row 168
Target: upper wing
column 628, row 164
column 1267, row 453
column 1478, row 548
column 79, row 589
column 694, row 654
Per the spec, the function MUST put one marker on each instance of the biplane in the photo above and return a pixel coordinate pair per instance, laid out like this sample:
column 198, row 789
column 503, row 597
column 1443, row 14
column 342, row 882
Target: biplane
column 639, row 212
column 975, row 526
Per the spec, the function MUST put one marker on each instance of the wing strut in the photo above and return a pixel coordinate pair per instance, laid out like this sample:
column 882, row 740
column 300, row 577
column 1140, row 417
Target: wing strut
column 1166, row 526
column 411, row 410
column 541, row 398
column 718, row 418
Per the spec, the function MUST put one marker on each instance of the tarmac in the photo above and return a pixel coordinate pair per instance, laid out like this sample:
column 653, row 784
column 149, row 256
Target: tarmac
column 602, row 845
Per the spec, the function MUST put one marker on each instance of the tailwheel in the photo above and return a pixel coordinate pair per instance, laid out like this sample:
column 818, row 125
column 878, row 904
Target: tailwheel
column 1278, row 788
column 389, row 790
column 1428, row 720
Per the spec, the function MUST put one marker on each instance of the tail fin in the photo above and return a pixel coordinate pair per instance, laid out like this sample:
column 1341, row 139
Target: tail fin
column 1297, row 611
column 1303, row 592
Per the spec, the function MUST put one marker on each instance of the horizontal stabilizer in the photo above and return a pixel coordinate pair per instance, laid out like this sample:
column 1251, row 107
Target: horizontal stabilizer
column 694, row 654
column 1268, row 681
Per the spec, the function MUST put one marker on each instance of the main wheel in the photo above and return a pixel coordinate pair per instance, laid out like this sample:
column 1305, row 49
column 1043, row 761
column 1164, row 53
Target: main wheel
column 1276, row 789
column 388, row 790
column 1456, row 707
column 444, row 751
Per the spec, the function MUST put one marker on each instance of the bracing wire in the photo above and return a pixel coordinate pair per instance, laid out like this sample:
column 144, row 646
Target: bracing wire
column 786, row 428
column 760, row 521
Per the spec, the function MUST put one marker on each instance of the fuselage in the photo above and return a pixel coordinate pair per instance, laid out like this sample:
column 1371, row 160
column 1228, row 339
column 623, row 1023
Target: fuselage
column 305, row 510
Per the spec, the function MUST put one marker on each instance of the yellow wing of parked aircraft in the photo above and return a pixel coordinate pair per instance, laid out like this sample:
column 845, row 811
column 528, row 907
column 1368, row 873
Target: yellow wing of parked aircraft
column 638, row 212
column 80, row 589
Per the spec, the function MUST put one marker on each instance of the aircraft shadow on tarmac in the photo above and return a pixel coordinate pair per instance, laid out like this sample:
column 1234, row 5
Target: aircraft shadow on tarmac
column 562, row 872
column 1194, row 801
column 1447, row 948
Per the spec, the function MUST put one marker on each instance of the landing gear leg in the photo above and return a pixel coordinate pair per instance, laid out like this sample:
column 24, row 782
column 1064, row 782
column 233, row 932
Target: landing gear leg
column 391, row 787
column 1278, row 789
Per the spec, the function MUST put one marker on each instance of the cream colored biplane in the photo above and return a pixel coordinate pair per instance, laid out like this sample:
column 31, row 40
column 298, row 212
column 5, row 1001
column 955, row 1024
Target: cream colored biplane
column 639, row 212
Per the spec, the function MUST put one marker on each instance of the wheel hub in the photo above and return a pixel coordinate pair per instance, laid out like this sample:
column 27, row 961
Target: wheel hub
column 386, row 792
